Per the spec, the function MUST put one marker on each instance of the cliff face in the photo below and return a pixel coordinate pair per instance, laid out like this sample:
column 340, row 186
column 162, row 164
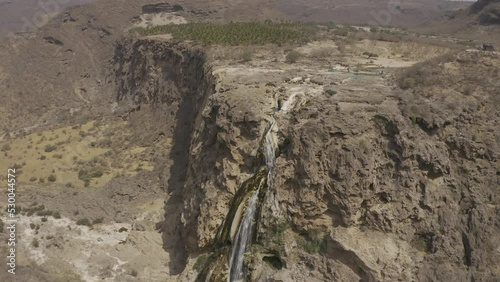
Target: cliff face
column 371, row 185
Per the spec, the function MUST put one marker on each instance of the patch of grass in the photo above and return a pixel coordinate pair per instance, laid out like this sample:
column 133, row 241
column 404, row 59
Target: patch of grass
column 273, row 261
column 240, row 33
column 86, row 176
column 6, row 147
column 52, row 178
column 134, row 273
column 32, row 210
column 200, row 263
column 56, row 215
column 293, row 57
column 49, row 148
column 84, row 221
column 312, row 241
column 330, row 92
column 370, row 55
column 322, row 53
column 44, row 213
column 98, row 221
column 246, row 56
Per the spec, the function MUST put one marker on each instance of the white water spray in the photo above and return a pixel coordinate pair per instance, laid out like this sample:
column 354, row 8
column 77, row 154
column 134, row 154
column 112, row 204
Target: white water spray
column 243, row 238
column 245, row 231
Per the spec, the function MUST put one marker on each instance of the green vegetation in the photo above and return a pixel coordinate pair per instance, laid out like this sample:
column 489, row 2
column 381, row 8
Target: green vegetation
column 293, row 56
column 200, row 262
column 84, row 221
column 5, row 147
column 246, row 56
column 35, row 243
column 86, row 176
column 49, row 148
column 32, row 210
column 52, row 178
column 370, row 55
column 1, row 225
column 311, row 241
column 273, row 261
column 242, row 33
column 134, row 273
column 330, row 92
column 98, row 221
column 56, row 215
column 44, row 213
column 424, row 74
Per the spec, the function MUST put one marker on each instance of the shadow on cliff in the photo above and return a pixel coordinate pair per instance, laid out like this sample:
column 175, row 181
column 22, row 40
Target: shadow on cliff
column 194, row 88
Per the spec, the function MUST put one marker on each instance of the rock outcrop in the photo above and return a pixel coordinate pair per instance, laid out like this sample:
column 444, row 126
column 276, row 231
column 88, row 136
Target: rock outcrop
column 161, row 8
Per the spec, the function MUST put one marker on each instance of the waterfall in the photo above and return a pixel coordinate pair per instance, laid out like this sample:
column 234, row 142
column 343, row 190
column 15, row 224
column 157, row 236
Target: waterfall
column 243, row 238
column 270, row 147
column 245, row 231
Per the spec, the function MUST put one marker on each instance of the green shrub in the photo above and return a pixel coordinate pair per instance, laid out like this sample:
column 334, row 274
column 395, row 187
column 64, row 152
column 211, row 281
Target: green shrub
column 246, row 56
column 330, row 92
column 98, row 221
column 49, row 148
column 134, row 273
column 32, row 210
column 35, row 243
column 84, row 221
column 293, row 57
column 97, row 174
column 56, row 215
column 311, row 241
column 44, row 213
column 200, row 263
column 407, row 83
column 5, row 147
column 52, row 178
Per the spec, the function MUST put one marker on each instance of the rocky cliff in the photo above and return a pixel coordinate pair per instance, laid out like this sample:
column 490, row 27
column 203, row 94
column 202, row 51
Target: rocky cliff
column 372, row 181
column 370, row 184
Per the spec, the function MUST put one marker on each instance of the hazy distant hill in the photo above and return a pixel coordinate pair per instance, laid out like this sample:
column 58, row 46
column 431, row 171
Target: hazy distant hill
column 408, row 13
column 18, row 14
column 487, row 11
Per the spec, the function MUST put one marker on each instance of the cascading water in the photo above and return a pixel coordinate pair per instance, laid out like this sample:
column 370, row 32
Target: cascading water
column 245, row 232
column 243, row 238
column 270, row 147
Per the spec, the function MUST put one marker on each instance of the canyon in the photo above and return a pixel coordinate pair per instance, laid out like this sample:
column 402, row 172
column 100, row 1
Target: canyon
column 364, row 159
